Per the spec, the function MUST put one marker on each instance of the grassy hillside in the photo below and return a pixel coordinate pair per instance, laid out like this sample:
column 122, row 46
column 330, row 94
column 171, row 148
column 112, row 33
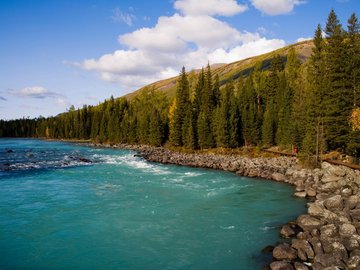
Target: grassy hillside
column 233, row 70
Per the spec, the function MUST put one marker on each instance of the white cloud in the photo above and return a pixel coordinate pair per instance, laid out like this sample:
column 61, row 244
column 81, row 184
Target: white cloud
column 38, row 92
column 173, row 33
column 209, row 7
column 246, row 50
column 120, row 16
column 276, row 7
column 301, row 39
column 154, row 53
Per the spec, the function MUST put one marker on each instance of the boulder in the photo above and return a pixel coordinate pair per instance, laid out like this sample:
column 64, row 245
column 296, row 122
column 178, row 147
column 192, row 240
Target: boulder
column 310, row 192
column 300, row 266
column 304, row 248
column 335, row 202
column 351, row 202
column 330, row 178
column 300, row 194
column 329, row 187
column 328, row 231
column 278, row 177
column 353, row 262
column 346, row 191
column 287, row 232
column 278, row 265
column 284, row 252
column 355, row 214
column 308, row 223
column 326, row 260
column 319, row 211
column 352, row 243
column 333, row 169
column 347, row 230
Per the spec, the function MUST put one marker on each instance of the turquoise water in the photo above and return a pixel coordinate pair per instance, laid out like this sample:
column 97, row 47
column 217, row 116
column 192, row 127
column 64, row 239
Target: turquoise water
column 59, row 211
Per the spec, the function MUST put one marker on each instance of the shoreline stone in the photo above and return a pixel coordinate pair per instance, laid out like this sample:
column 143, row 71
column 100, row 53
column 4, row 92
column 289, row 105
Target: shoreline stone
column 328, row 234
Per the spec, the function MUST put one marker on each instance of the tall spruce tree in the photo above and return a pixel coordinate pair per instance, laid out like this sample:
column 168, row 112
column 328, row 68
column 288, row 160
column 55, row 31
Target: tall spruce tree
column 182, row 102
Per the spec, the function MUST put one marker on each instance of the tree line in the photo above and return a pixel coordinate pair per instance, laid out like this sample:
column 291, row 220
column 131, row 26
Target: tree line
column 305, row 105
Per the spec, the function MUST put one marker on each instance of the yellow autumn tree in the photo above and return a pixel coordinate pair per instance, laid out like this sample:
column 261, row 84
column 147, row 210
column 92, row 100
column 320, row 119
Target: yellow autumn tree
column 354, row 119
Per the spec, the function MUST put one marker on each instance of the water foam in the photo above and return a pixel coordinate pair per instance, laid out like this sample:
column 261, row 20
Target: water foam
column 131, row 161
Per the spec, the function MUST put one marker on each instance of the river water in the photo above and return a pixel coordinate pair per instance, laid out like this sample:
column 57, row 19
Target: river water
column 65, row 206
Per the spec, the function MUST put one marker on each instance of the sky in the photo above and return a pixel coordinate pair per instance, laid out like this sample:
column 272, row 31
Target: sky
column 58, row 53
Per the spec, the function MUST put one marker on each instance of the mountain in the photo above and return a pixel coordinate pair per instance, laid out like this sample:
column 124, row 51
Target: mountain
column 233, row 70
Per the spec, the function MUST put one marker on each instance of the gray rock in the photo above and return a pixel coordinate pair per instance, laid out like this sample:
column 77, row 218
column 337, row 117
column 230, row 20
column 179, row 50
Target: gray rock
column 335, row 202
column 347, row 230
column 333, row 169
column 308, row 223
column 329, row 187
column 330, row 178
column 278, row 265
column 284, row 252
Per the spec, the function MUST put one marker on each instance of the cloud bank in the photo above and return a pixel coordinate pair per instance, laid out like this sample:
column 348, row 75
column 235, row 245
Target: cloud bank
column 276, row 7
column 191, row 38
column 37, row 92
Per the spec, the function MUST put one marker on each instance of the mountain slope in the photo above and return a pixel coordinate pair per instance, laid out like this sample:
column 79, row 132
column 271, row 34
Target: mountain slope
column 233, row 70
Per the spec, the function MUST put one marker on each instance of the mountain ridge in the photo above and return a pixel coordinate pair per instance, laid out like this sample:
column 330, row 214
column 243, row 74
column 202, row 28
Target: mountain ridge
column 231, row 71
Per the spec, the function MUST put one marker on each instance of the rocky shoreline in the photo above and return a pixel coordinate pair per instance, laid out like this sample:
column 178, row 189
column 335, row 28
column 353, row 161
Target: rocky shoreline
column 327, row 237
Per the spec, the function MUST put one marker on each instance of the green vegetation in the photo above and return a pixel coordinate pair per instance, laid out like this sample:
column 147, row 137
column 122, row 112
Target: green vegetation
column 277, row 101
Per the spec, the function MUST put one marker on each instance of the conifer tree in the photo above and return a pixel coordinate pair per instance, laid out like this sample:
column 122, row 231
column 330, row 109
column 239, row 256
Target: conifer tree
column 180, row 108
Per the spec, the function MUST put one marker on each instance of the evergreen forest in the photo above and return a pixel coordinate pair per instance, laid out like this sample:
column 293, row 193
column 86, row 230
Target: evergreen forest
column 312, row 105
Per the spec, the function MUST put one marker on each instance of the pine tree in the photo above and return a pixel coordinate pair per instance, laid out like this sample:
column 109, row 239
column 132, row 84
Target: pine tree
column 182, row 100
column 222, row 117
column 313, row 139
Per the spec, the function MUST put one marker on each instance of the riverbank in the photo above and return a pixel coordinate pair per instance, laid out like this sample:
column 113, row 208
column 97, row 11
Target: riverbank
column 327, row 236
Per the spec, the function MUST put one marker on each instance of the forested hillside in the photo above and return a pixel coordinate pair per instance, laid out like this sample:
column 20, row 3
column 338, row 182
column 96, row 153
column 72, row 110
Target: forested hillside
column 280, row 101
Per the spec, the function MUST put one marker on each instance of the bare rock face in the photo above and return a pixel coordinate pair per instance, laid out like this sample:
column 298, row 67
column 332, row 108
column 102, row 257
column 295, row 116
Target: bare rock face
column 308, row 223
column 284, row 252
column 279, row 265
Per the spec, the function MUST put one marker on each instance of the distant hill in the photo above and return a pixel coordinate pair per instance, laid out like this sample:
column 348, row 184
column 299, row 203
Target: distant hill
column 233, row 70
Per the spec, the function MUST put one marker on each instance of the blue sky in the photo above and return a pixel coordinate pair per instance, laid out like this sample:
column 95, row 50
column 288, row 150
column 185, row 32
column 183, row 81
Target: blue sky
column 57, row 53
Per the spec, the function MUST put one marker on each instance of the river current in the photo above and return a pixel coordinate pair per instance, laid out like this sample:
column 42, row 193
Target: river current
column 66, row 206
